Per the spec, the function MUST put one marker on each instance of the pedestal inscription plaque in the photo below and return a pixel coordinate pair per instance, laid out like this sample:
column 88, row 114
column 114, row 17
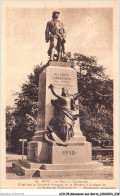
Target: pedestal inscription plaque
column 60, row 77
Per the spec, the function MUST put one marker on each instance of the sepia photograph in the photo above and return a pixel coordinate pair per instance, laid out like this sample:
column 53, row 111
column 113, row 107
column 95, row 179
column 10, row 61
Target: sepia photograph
column 60, row 95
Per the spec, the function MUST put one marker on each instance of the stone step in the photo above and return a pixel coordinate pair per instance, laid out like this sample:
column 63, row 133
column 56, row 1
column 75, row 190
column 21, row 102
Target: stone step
column 101, row 171
column 38, row 138
column 22, row 170
column 18, row 170
column 39, row 133
column 91, row 165
column 30, row 164
column 56, row 170
column 78, row 138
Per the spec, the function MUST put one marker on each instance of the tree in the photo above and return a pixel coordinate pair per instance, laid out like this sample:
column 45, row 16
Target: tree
column 96, row 101
column 10, row 123
column 25, row 112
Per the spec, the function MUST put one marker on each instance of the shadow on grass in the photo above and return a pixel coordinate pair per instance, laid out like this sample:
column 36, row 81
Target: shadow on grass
column 9, row 170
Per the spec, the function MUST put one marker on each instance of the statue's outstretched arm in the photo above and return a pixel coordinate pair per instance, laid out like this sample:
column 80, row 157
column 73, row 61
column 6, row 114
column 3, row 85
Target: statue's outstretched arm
column 73, row 105
column 53, row 92
column 76, row 96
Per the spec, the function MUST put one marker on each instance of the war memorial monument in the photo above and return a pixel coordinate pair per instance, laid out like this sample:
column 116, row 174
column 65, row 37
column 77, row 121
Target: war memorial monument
column 58, row 147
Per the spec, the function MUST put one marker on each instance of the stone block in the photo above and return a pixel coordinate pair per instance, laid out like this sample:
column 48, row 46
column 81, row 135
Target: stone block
column 75, row 154
column 38, row 152
column 59, row 64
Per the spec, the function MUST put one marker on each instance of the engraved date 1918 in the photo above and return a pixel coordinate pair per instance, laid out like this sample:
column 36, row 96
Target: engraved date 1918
column 69, row 152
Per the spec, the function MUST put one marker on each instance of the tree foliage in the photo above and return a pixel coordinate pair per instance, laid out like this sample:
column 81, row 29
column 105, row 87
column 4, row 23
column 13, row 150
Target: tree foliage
column 10, row 124
column 96, row 101
column 25, row 112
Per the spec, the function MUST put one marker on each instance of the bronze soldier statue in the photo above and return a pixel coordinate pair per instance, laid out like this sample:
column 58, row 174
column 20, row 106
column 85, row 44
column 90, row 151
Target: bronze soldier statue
column 56, row 35
column 60, row 129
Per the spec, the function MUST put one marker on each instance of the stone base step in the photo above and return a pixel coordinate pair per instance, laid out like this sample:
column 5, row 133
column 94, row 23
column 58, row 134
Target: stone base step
column 38, row 138
column 18, row 169
column 101, row 172
column 91, row 165
column 39, row 133
column 30, row 164
column 77, row 138
column 21, row 170
column 41, row 170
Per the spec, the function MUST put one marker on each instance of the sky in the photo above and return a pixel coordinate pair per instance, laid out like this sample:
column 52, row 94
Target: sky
column 89, row 32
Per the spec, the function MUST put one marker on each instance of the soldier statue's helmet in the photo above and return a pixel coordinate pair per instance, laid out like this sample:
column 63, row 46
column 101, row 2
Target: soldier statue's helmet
column 55, row 13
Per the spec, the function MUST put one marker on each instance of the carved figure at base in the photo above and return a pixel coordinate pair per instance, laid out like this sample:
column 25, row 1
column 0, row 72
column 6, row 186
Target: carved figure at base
column 55, row 34
column 61, row 126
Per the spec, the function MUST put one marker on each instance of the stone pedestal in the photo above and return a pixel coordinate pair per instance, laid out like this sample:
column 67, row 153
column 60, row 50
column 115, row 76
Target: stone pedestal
column 60, row 75
column 46, row 160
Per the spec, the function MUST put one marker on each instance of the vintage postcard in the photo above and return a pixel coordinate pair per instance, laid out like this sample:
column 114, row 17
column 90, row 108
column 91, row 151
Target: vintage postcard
column 59, row 95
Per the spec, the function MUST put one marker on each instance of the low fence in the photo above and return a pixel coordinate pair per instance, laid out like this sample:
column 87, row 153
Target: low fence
column 104, row 155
